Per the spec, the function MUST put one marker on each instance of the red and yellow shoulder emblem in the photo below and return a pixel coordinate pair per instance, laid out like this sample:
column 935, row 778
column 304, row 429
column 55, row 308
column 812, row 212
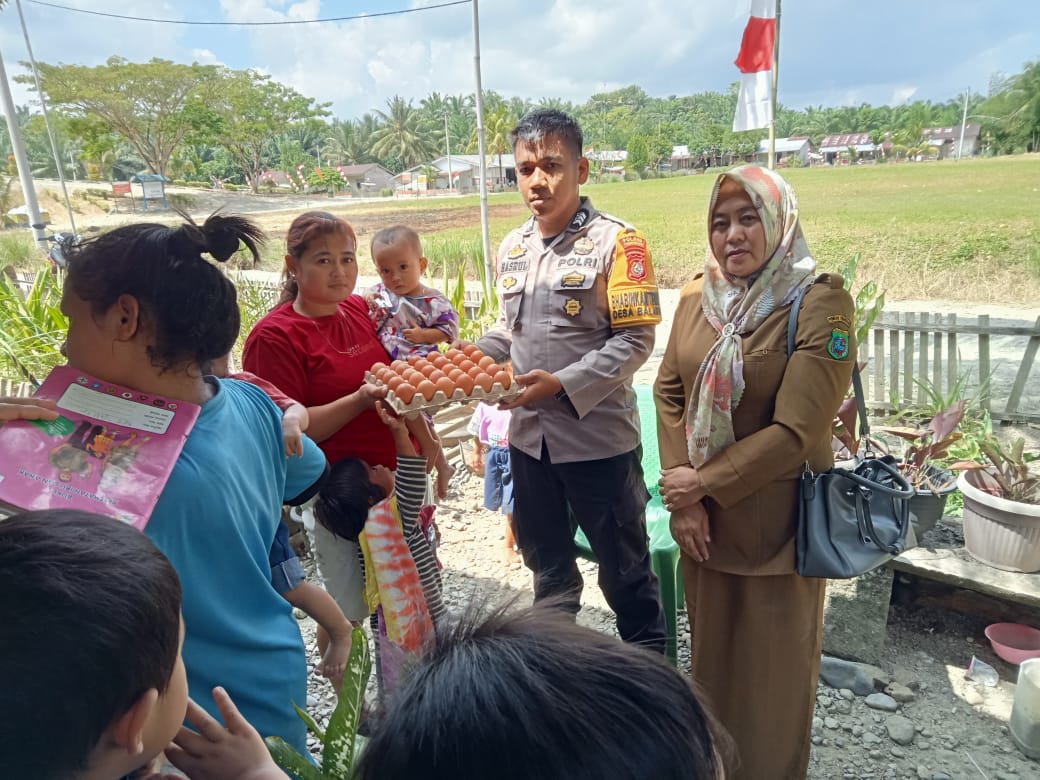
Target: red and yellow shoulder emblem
column 632, row 287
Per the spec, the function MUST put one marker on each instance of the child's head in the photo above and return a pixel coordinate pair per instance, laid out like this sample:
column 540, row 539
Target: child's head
column 93, row 681
column 530, row 695
column 352, row 488
column 397, row 253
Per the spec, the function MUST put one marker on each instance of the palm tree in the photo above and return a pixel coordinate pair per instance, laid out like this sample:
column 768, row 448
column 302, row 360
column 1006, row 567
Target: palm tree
column 497, row 126
column 404, row 133
column 346, row 143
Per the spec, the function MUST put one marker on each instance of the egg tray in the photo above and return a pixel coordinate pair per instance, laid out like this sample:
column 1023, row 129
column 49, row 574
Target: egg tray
column 420, row 404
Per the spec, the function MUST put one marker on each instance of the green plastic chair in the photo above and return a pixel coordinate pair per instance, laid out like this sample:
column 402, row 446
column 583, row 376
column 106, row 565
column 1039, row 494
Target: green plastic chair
column 664, row 552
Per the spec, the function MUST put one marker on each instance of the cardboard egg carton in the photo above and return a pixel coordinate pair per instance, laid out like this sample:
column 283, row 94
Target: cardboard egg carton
column 420, row 404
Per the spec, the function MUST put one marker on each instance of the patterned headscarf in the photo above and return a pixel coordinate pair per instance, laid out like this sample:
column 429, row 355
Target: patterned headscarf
column 735, row 306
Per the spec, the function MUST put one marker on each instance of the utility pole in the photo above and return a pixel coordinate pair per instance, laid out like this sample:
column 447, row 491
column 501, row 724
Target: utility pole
column 481, row 149
column 21, row 160
column 447, row 149
column 964, row 122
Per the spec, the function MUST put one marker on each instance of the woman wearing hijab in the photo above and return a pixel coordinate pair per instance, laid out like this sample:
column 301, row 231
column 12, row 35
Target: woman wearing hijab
column 738, row 421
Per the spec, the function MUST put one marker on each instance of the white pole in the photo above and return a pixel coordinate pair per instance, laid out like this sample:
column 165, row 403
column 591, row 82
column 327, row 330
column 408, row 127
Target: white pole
column 21, row 160
column 481, row 148
column 964, row 121
column 46, row 118
column 447, row 150
column 776, row 83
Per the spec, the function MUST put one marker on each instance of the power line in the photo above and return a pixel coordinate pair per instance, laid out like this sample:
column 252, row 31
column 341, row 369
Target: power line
column 249, row 24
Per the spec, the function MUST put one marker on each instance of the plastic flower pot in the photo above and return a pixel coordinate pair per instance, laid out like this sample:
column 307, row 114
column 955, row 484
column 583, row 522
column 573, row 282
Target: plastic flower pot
column 1004, row 534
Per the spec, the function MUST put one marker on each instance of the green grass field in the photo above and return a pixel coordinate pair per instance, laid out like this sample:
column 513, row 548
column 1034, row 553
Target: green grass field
column 965, row 231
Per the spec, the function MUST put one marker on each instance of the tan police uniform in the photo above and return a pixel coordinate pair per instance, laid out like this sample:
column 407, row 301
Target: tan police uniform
column 756, row 625
column 583, row 306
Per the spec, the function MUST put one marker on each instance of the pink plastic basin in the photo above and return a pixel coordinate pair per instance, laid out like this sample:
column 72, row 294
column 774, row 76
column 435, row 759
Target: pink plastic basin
column 1014, row 642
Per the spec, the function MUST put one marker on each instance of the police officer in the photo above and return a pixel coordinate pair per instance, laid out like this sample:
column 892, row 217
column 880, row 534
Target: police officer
column 579, row 304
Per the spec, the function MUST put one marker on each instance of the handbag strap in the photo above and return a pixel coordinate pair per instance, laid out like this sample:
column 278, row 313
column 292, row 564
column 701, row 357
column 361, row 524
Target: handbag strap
column 857, row 380
column 869, row 533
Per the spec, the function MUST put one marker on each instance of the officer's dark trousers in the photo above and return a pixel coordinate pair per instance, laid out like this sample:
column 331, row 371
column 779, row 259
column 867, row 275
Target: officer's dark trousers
column 607, row 498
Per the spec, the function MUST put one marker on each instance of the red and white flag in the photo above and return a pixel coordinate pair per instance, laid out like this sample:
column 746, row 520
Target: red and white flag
column 755, row 103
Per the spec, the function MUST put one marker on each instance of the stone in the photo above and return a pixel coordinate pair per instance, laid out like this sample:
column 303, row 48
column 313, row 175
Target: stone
column 901, row 693
column 898, row 752
column 882, row 701
column 855, row 616
column 900, row 729
column 845, row 693
column 842, row 707
column 831, row 723
column 870, row 738
column 839, row 673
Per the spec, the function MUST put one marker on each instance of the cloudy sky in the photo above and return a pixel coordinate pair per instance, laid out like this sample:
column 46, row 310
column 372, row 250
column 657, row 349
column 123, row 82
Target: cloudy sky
column 833, row 52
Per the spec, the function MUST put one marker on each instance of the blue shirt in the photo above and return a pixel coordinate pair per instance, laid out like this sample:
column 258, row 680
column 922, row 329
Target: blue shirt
column 216, row 521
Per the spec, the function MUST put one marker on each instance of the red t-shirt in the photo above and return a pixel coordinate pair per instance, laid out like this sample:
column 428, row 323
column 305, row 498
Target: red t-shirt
column 317, row 360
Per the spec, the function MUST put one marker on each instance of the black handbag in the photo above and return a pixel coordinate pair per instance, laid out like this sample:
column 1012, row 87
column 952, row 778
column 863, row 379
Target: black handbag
column 851, row 520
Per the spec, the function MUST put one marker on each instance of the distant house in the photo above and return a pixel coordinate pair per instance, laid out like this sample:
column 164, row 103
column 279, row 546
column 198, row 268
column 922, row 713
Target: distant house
column 785, row 148
column 835, row 145
column 464, row 170
column 367, row 179
column 948, row 139
column 610, row 160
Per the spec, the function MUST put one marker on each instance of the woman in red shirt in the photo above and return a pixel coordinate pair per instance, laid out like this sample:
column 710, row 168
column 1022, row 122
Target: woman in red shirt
column 317, row 343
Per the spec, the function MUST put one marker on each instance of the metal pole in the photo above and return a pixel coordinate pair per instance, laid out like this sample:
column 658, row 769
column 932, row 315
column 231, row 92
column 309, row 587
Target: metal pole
column 776, row 82
column 481, row 148
column 46, row 118
column 21, row 160
column 447, row 150
column 964, row 122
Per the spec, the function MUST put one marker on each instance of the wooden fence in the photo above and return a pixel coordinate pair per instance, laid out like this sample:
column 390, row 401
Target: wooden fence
column 990, row 360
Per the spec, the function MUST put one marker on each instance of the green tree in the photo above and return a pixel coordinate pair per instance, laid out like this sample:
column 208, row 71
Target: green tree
column 254, row 110
column 153, row 105
column 638, row 154
column 404, row 133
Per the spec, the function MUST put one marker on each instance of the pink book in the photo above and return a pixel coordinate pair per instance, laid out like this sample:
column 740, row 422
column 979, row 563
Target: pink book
column 111, row 450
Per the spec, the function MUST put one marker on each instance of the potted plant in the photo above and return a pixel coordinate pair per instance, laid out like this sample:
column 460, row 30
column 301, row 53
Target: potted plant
column 923, row 464
column 1002, row 506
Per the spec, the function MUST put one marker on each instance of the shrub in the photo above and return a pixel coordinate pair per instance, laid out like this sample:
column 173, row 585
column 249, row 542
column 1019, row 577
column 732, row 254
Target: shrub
column 386, row 192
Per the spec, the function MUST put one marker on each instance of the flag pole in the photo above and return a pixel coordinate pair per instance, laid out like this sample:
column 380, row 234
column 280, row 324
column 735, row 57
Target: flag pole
column 776, row 80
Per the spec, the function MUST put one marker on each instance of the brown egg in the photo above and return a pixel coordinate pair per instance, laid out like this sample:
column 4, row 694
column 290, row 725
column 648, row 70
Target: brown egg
column 377, row 367
column 413, row 359
column 466, row 364
column 445, row 385
column 455, row 373
column 453, row 354
column 394, row 382
column 437, row 359
column 413, row 377
column 405, row 392
column 502, row 378
column 427, row 368
column 426, row 388
column 465, row 383
column 492, row 368
column 436, row 375
column 483, row 381
column 485, row 361
column 475, row 371
column 399, row 366
column 471, row 349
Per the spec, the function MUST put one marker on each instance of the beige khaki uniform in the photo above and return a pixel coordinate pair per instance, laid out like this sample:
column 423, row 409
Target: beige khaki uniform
column 755, row 624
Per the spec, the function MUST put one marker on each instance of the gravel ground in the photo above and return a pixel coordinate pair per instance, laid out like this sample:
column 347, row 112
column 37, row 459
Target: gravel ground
column 932, row 723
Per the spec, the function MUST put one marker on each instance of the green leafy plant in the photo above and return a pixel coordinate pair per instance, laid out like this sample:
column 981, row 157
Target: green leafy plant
column 472, row 328
column 340, row 742
column 927, row 447
column 869, row 301
column 34, row 328
column 1007, row 472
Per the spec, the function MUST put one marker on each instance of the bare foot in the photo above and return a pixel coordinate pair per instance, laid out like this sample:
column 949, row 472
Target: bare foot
column 444, row 474
column 509, row 556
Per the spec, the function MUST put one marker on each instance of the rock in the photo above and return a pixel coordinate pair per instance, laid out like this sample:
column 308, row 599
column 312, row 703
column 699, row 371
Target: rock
column 845, row 693
column 857, row 731
column 900, row 729
column 838, row 673
column 870, row 738
column 940, row 776
column 823, row 702
column 924, row 773
column 855, row 615
column 817, row 724
column 901, row 693
column 881, row 701
column 831, row 723
column 843, row 707
column 898, row 752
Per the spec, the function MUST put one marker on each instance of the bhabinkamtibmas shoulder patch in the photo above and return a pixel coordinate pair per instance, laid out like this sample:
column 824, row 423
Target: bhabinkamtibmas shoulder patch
column 632, row 288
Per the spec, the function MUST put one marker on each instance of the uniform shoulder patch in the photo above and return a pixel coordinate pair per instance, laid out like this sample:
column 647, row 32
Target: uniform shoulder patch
column 838, row 346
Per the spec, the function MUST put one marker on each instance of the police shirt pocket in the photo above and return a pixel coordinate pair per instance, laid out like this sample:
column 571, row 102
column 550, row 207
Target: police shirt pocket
column 574, row 299
column 511, row 289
